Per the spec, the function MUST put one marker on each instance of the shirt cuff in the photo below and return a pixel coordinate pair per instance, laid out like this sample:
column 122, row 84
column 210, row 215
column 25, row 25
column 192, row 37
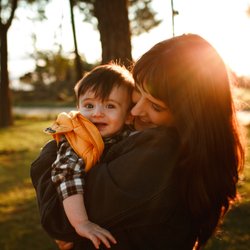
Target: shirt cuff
column 71, row 187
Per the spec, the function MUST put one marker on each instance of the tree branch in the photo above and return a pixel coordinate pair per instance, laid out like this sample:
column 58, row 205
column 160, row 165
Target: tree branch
column 13, row 9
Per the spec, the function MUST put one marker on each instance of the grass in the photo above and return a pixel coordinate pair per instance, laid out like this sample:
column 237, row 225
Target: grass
column 235, row 231
column 19, row 221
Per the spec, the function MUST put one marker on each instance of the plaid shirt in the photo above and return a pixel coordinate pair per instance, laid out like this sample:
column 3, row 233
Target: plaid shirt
column 68, row 170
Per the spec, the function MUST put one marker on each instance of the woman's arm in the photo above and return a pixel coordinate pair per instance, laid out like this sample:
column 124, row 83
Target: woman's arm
column 52, row 215
column 135, row 173
column 128, row 189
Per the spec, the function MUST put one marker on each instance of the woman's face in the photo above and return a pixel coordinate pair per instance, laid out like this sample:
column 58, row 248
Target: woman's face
column 149, row 112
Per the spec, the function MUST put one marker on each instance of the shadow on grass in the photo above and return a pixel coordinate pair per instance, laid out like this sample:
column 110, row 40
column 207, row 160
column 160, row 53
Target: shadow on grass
column 19, row 220
column 15, row 169
column 20, row 228
column 235, row 233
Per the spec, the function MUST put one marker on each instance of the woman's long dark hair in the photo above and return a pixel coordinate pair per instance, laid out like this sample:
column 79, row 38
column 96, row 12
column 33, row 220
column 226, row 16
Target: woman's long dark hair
column 187, row 74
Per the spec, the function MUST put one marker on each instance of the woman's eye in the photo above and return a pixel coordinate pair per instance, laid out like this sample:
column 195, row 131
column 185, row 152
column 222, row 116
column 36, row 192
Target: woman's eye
column 157, row 108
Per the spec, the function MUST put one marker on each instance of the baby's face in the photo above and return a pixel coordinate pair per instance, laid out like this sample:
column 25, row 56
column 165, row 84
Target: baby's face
column 109, row 115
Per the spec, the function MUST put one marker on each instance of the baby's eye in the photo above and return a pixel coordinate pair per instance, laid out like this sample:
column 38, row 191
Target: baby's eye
column 88, row 106
column 110, row 106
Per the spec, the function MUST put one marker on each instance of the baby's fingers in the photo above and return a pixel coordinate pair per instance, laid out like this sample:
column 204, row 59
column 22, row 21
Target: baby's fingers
column 95, row 240
column 108, row 235
column 103, row 239
column 105, row 236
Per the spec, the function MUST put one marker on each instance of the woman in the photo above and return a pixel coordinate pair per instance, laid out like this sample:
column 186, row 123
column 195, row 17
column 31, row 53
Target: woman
column 168, row 186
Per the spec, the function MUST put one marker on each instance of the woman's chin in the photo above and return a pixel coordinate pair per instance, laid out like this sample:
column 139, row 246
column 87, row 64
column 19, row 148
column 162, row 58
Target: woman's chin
column 140, row 125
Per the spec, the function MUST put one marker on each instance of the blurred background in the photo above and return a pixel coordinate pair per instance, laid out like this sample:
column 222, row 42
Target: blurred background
column 46, row 47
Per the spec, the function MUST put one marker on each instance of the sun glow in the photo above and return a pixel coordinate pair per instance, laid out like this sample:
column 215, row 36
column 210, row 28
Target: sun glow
column 224, row 23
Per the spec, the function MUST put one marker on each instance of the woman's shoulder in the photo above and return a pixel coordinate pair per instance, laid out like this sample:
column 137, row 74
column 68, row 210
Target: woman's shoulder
column 157, row 133
column 160, row 136
column 156, row 139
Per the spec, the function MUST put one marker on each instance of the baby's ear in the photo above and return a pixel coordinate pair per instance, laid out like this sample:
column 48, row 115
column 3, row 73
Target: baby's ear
column 130, row 119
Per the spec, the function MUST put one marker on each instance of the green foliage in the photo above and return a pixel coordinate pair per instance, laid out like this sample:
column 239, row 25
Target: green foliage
column 243, row 81
column 37, row 6
column 242, row 95
column 52, row 80
column 7, row 10
column 141, row 15
column 55, row 76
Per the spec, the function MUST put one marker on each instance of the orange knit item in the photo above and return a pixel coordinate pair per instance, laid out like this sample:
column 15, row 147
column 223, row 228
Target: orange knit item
column 82, row 135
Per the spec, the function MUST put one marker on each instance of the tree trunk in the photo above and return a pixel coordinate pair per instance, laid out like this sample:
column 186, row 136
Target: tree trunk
column 113, row 24
column 6, row 118
column 78, row 65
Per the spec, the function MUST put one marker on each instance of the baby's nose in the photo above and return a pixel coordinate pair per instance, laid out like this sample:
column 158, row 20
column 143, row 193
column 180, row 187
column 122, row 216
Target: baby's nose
column 98, row 111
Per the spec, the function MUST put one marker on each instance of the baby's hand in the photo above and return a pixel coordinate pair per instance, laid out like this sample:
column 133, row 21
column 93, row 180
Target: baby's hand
column 95, row 233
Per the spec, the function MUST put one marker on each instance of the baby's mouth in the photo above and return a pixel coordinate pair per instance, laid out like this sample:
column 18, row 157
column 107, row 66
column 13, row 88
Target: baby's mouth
column 100, row 125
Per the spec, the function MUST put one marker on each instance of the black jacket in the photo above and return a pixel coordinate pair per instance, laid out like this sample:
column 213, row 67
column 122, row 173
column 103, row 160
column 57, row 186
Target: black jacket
column 131, row 192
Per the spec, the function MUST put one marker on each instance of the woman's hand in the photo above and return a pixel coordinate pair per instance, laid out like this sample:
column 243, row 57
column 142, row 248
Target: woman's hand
column 95, row 233
column 63, row 245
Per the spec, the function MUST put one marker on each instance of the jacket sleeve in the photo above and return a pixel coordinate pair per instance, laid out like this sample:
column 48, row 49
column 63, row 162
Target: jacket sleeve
column 52, row 216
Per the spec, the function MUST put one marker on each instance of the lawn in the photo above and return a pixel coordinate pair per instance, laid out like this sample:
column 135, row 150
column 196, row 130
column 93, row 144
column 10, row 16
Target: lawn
column 19, row 222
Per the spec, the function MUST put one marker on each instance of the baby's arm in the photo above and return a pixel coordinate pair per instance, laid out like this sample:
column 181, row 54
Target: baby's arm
column 77, row 215
column 68, row 176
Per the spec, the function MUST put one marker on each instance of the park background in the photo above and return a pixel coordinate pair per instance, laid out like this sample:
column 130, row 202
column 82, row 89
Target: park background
column 51, row 43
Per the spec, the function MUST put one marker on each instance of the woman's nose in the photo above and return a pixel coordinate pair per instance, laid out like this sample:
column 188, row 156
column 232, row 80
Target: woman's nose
column 138, row 109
